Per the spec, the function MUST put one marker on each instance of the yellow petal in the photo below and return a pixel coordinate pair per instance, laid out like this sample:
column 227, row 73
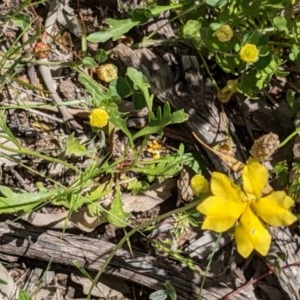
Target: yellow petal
column 251, row 234
column 223, row 187
column 221, row 214
column 255, row 177
column 274, row 209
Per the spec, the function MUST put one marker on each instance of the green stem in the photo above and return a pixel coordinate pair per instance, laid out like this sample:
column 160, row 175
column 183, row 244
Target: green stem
column 39, row 155
column 130, row 233
column 286, row 140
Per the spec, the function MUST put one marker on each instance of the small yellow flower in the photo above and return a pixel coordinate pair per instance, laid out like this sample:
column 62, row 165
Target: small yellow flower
column 154, row 147
column 107, row 72
column 249, row 53
column 199, row 184
column 224, row 33
column 246, row 208
column 98, row 117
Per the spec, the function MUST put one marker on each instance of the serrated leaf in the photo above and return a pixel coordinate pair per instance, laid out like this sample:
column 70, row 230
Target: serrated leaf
column 12, row 202
column 116, row 215
column 161, row 120
column 74, row 147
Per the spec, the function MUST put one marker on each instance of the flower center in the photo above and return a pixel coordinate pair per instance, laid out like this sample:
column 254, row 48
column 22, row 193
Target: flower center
column 250, row 197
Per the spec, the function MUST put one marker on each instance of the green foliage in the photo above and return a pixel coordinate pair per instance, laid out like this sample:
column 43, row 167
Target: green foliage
column 74, row 147
column 116, row 215
column 162, row 118
column 23, row 295
column 12, row 202
column 274, row 31
column 117, row 28
column 169, row 291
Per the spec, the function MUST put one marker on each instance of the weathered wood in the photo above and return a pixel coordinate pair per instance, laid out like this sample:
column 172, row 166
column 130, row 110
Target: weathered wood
column 143, row 269
column 178, row 79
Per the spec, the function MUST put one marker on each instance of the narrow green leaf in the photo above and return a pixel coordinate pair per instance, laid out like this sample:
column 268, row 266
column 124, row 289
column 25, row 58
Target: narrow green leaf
column 116, row 30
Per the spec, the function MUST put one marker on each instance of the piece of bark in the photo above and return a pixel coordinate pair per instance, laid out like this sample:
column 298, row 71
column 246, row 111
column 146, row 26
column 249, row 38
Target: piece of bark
column 142, row 269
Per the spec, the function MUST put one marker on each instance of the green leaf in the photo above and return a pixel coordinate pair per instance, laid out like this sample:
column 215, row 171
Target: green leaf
column 158, row 295
column 295, row 52
column 23, row 295
column 116, row 30
column 123, row 87
column 140, row 81
column 74, row 147
column 247, row 84
column 21, row 20
column 116, row 215
column 281, row 24
column 100, row 56
column 116, row 119
column 191, row 29
column 12, row 202
column 93, row 88
column 89, row 62
column 163, row 8
column 216, row 3
column 161, row 120
column 170, row 290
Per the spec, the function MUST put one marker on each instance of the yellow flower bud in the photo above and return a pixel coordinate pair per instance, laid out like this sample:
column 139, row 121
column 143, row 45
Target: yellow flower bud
column 199, row 184
column 224, row 33
column 107, row 72
column 228, row 91
column 249, row 53
column 98, row 117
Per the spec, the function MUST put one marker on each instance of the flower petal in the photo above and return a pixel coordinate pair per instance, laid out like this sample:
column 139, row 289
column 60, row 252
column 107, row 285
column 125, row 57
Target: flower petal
column 255, row 177
column 221, row 214
column 223, row 187
column 274, row 209
column 251, row 234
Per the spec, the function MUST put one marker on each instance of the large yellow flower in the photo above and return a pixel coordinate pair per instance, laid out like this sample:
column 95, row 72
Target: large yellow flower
column 246, row 208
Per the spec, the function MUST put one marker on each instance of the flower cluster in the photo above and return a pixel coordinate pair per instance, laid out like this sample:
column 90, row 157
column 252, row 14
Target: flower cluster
column 107, row 72
column 98, row 117
column 224, row 33
column 249, row 53
column 246, row 208
column 199, row 184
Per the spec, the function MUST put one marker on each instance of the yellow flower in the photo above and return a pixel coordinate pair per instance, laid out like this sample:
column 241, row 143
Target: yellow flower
column 98, row 117
column 224, row 33
column 199, row 184
column 246, row 208
column 107, row 72
column 249, row 53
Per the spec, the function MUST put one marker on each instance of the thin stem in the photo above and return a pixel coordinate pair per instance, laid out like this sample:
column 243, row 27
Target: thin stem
column 130, row 233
